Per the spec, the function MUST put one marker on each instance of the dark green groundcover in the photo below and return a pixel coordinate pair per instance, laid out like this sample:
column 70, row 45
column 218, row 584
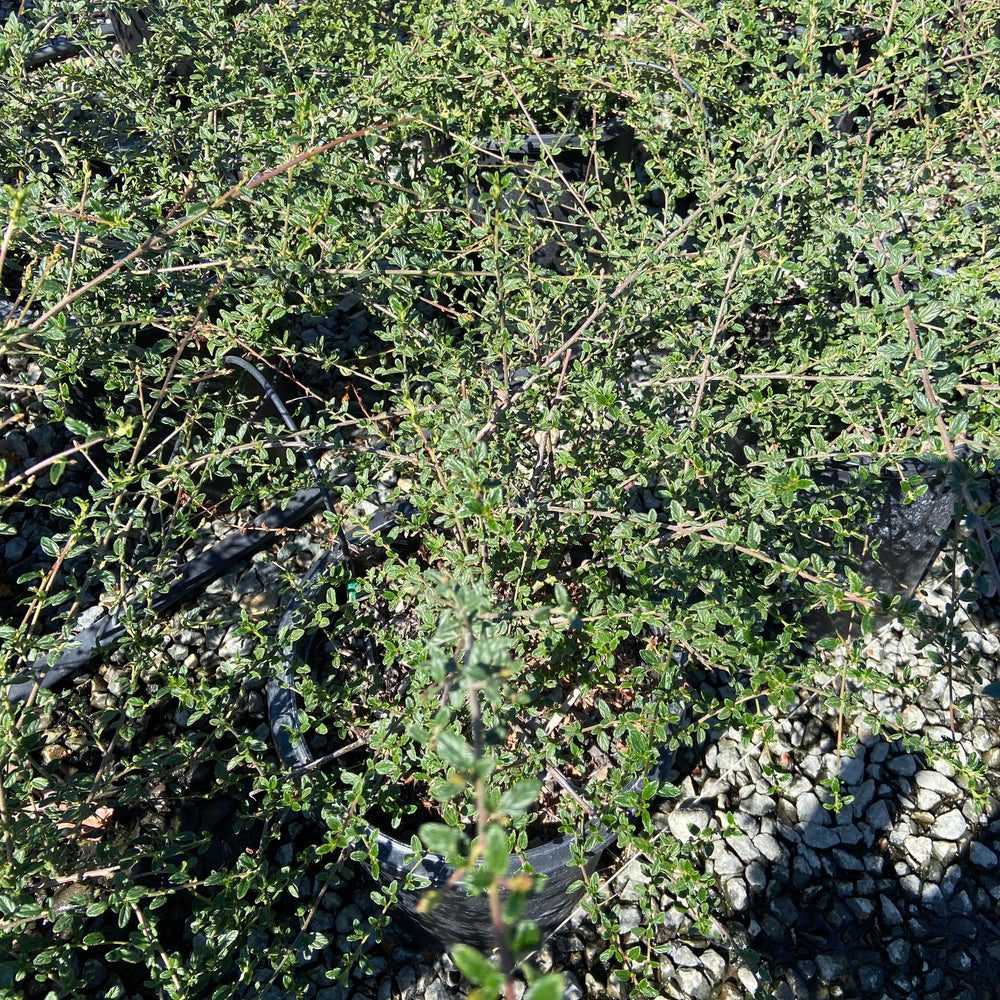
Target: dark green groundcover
column 647, row 313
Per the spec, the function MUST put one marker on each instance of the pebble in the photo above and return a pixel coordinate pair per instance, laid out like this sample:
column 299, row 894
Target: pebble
column 861, row 908
column 756, row 877
column 714, row 963
column 687, row 819
column 736, row 894
column 726, row 863
column 919, row 848
column 692, row 983
column 870, row 978
column 629, row 917
column 768, row 847
column 905, row 765
column 820, row 836
column 852, row 769
column 950, row 826
column 981, row 856
column 683, row 957
column 746, row 848
column 890, row 913
column 936, row 782
column 877, row 816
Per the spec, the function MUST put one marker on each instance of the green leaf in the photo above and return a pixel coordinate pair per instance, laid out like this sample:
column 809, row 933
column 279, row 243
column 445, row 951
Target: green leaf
column 447, row 789
column 496, row 859
column 455, row 751
column 475, row 966
column 78, row 427
column 549, row 987
column 521, row 796
column 49, row 546
column 441, row 839
column 526, row 937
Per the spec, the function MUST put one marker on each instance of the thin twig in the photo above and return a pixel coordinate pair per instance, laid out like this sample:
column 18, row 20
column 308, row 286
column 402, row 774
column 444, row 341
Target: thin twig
column 720, row 315
column 157, row 239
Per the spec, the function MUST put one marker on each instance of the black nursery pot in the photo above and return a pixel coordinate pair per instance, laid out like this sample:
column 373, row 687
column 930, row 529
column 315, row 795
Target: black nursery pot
column 899, row 541
column 460, row 917
column 456, row 916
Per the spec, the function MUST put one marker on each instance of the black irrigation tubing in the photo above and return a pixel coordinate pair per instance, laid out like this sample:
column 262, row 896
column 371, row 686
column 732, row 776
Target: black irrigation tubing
column 192, row 579
column 234, row 361
column 282, row 702
column 61, row 47
column 236, row 547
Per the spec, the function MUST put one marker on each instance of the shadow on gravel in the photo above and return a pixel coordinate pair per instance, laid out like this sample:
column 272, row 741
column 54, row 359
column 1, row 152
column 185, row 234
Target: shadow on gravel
column 895, row 896
column 889, row 897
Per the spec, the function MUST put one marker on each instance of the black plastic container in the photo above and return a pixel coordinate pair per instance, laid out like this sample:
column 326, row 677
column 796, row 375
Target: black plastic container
column 456, row 915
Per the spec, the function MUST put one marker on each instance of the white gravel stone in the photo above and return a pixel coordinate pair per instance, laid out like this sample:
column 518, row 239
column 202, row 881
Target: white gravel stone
column 981, row 856
column 905, row 765
column 714, row 963
column 982, row 739
column 847, row 861
column 919, row 848
column 950, row 826
column 831, row 965
column 726, row 863
column 861, row 908
column 744, row 847
column 927, row 798
column 820, row 837
column 88, row 616
column 759, row 804
column 852, row 769
column 877, row 816
column 686, row 815
column 683, row 957
column 890, row 913
column 750, row 825
column 863, row 797
column 810, row 810
column 571, row 987
column 768, row 847
column 945, row 851
column 693, row 984
column 898, row 951
column 936, row 782
column 629, row 917
column 756, row 877
column 960, row 903
column 736, row 894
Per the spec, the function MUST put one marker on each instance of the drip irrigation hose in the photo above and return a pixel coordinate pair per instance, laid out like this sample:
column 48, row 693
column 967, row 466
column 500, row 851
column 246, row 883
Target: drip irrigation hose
column 217, row 560
column 234, row 361
column 192, row 579
column 128, row 35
